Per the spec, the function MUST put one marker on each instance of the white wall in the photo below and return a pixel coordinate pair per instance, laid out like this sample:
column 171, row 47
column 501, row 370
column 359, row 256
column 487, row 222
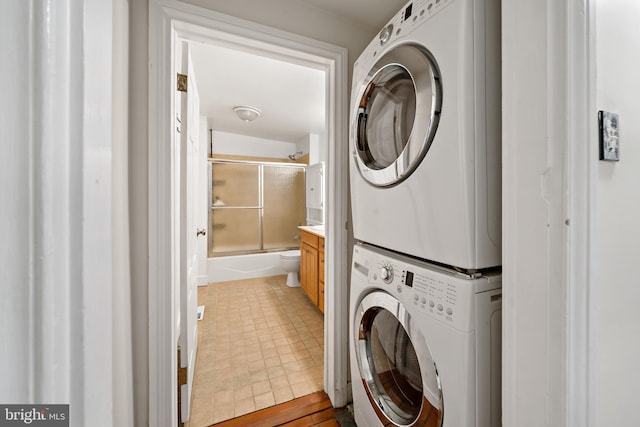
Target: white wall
column 298, row 17
column 243, row 145
column 617, row 291
column 316, row 146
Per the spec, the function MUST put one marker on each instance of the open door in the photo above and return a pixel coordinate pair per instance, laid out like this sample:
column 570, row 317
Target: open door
column 189, row 113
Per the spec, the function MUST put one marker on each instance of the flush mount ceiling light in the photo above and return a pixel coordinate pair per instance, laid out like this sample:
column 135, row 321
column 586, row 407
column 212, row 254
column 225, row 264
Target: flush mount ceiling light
column 248, row 114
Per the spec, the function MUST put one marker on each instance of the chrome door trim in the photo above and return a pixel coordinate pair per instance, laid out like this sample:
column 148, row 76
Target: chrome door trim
column 431, row 413
column 422, row 68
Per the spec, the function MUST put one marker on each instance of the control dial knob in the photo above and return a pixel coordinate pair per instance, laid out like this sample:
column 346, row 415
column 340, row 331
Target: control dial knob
column 386, row 273
column 385, row 34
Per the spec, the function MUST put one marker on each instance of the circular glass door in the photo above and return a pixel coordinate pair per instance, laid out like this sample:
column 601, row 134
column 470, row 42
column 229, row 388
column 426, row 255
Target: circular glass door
column 396, row 366
column 397, row 114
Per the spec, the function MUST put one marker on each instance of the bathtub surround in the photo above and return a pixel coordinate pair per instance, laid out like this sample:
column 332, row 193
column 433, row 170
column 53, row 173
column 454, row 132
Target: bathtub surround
column 240, row 267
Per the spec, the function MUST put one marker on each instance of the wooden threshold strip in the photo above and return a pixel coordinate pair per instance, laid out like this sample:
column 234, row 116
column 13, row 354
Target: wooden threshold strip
column 312, row 410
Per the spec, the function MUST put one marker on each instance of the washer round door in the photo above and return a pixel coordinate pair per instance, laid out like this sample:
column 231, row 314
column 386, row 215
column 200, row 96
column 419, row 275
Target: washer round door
column 397, row 114
column 396, row 367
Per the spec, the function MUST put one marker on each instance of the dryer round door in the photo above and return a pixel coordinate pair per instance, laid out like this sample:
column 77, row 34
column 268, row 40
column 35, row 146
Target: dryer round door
column 397, row 114
column 396, row 367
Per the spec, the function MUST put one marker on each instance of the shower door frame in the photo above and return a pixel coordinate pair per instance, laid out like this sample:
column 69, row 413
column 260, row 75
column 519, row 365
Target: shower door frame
column 261, row 165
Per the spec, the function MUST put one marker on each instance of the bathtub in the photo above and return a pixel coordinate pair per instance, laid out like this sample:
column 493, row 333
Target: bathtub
column 238, row 267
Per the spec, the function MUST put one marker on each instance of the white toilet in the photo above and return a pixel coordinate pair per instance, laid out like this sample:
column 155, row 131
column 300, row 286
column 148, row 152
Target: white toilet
column 290, row 262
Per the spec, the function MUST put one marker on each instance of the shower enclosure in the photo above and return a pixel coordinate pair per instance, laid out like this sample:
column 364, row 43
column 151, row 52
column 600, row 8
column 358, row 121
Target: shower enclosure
column 254, row 206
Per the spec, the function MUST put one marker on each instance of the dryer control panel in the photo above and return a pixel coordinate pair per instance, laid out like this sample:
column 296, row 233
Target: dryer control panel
column 413, row 14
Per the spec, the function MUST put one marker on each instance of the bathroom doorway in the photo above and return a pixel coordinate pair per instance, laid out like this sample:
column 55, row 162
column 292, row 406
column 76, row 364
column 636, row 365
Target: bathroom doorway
column 261, row 343
column 179, row 20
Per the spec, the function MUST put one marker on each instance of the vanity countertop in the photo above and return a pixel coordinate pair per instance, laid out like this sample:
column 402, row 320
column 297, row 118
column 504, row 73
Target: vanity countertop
column 318, row 230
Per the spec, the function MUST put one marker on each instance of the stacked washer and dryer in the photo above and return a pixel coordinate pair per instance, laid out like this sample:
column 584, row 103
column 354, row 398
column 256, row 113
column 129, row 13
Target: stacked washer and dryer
column 425, row 299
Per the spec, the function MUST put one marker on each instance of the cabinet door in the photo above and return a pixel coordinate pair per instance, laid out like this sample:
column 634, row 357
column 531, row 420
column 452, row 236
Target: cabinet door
column 321, row 280
column 309, row 272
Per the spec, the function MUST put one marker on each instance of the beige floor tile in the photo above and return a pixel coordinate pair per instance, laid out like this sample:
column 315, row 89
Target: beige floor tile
column 264, row 336
column 302, row 389
column 264, row 400
column 222, row 398
column 256, row 365
column 223, row 413
column 283, row 394
column 260, row 375
column 242, row 392
column 221, row 385
column 301, row 354
column 279, row 382
column 267, row 344
column 287, row 358
column 252, row 356
column 272, row 361
column 261, row 387
column 298, row 345
column 241, row 380
column 201, row 419
column 294, row 378
column 255, row 356
column 275, row 371
column 284, row 349
column 269, row 352
column 244, row 406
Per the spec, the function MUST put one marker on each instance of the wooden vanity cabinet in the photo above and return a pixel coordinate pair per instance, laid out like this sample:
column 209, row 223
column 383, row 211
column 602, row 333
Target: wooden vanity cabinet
column 312, row 267
column 321, row 274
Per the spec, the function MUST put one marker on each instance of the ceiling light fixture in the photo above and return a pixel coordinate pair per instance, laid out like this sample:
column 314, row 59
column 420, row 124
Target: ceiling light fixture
column 248, row 114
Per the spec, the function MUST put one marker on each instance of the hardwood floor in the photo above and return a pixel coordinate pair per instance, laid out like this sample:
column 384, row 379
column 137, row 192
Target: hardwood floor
column 311, row 410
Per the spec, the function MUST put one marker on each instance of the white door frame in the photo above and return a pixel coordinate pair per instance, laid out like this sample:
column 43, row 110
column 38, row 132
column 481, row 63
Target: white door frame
column 549, row 163
column 168, row 19
column 61, row 158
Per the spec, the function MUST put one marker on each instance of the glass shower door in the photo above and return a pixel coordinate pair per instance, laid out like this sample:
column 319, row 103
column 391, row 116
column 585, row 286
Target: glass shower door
column 283, row 210
column 255, row 207
column 234, row 218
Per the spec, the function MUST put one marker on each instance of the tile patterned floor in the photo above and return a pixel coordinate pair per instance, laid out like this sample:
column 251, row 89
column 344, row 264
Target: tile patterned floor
column 260, row 344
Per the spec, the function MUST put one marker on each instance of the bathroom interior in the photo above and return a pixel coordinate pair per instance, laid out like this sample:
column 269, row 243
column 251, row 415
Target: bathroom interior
column 261, row 333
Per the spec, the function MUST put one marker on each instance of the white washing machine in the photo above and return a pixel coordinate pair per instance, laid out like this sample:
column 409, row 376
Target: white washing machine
column 425, row 134
column 425, row 346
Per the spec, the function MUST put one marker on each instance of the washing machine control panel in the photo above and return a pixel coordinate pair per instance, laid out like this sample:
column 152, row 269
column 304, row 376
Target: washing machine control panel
column 433, row 292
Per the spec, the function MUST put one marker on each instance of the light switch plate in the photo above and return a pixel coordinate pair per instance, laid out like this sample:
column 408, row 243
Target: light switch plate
column 609, row 130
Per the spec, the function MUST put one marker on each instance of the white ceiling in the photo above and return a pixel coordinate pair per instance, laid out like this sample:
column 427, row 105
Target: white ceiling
column 372, row 14
column 291, row 97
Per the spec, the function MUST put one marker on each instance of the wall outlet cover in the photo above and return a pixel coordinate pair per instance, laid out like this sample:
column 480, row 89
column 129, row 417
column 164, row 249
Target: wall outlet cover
column 609, row 136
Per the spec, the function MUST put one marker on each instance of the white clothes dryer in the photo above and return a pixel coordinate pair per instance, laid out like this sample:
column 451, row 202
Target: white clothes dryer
column 425, row 346
column 425, row 134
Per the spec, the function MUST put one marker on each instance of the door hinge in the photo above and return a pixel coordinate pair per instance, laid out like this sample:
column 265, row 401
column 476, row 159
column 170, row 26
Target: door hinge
column 182, row 82
column 182, row 380
column 182, row 372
